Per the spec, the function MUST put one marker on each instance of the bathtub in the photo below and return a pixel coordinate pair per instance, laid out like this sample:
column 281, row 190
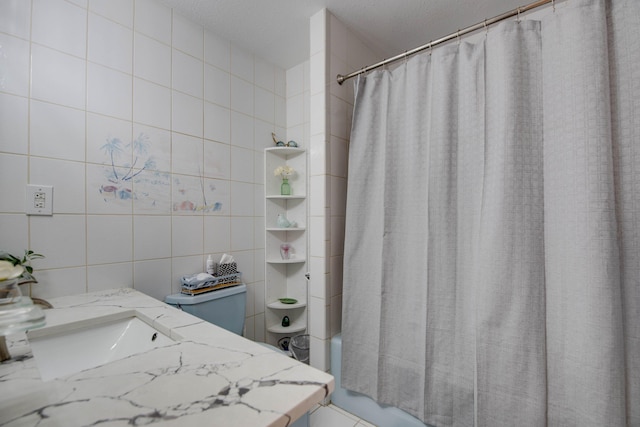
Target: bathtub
column 361, row 405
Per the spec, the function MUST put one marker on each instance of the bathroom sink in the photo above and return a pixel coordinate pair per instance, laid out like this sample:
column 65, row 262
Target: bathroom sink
column 73, row 347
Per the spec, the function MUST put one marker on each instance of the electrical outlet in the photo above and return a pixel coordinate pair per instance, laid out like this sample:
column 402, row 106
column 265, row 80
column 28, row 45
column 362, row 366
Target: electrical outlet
column 39, row 200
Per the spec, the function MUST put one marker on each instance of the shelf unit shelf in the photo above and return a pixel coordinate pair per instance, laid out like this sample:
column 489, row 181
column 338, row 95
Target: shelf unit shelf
column 285, row 277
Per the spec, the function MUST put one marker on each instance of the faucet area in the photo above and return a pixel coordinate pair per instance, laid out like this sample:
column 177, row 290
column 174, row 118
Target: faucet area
column 171, row 367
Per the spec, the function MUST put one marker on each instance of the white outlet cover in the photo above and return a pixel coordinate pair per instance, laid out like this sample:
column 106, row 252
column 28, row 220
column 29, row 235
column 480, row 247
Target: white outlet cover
column 39, row 200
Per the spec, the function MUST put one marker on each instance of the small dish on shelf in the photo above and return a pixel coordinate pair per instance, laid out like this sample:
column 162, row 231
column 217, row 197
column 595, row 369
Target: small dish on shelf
column 288, row 300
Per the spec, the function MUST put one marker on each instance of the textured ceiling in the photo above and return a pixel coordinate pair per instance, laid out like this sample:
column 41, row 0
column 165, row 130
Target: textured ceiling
column 278, row 30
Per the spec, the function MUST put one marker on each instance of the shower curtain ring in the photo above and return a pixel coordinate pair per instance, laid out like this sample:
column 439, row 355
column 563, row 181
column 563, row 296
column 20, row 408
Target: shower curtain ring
column 486, row 29
column 553, row 5
column 458, row 36
column 518, row 18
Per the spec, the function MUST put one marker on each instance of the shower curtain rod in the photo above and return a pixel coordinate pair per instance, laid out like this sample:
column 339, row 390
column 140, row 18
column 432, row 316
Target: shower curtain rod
column 484, row 24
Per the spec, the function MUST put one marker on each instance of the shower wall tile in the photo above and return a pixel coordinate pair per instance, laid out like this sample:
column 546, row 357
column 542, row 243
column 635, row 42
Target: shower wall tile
column 242, row 132
column 110, row 44
column 57, row 131
column 338, row 38
column 16, row 71
column 241, row 96
column 242, row 167
column 319, row 318
column 151, row 60
column 295, row 80
column 217, row 160
column 319, row 356
column 187, row 155
column 217, row 86
column 60, row 25
column 153, row 19
column 217, row 123
column 264, row 105
column 280, row 82
column 264, row 75
column 15, row 18
column 187, row 114
column 241, row 204
column 280, row 113
column 295, row 110
column 242, row 64
column 14, row 126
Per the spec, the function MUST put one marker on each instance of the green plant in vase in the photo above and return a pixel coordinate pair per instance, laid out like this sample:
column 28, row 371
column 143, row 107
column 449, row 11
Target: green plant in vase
column 285, row 172
column 25, row 262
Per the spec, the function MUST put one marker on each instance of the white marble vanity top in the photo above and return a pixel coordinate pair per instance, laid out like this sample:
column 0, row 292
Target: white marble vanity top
column 208, row 377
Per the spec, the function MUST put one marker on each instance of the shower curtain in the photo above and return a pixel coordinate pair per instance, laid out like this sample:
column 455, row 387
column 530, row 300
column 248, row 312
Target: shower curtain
column 492, row 247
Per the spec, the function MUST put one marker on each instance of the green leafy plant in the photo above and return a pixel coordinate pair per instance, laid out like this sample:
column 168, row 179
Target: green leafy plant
column 25, row 261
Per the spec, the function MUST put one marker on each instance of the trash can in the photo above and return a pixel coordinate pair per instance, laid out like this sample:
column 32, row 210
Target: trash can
column 299, row 346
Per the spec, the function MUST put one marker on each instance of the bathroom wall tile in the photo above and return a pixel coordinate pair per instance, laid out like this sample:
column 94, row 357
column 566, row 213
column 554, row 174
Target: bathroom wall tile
column 296, row 133
column 241, row 96
column 264, row 105
column 109, row 91
column 318, row 155
column 337, row 38
column 319, row 355
column 151, row 60
column 318, row 32
column 336, row 274
column 319, row 286
column 242, row 63
column 68, row 181
column 318, row 267
column 317, row 73
column 217, row 123
column 217, row 51
column 295, row 110
column 217, row 234
column 216, row 160
column 338, row 196
column 153, row 19
column 219, row 196
column 187, row 74
column 187, row 235
column 295, row 80
column 249, row 328
column 181, row 266
column 338, row 119
column 306, row 75
column 152, row 278
column 15, row 18
column 102, row 130
column 250, row 309
column 241, row 205
column 57, row 131
column 258, row 273
column 262, row 139
column 337, row 66
column 152, row 193
column 317, row 109
column 109, row 239
column 14, row 232
column 82, row 3
column 187, row 114
column 318, row 188
column 339, row 158
column 259, row 290
column 109, row 276
column 259, row 327
column 14, row 128
column 241, row 234
column 280, row 111
column 110, row 44
column 104, row 196
column 280, row 82
column 14, row 170
column 337, row 235
column 120, row 11
column 61, row 238
column 158, row 148
column 336, row 315
column 258, row 204
column 15, row 65
column 60, row 282
column 188, row 36
column 245, row 263
column 217, row 86
column 318, row 318
column 242, row 130
column 151, row 237
column 187, row 155
column 151, row 104
column 317, row 236
column 242, row 165
column 264, row 74
column 60, row 25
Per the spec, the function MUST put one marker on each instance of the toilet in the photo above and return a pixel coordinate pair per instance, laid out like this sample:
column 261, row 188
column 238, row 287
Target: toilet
column 224, row 308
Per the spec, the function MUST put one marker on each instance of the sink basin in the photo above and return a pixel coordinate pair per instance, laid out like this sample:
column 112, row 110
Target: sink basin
column 66, row 349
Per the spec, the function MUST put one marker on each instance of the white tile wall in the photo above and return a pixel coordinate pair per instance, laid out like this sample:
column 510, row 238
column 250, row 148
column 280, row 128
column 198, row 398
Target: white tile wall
column 135, row 115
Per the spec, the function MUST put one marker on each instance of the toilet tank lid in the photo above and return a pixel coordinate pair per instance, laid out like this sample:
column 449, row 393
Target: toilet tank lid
column 183, row 299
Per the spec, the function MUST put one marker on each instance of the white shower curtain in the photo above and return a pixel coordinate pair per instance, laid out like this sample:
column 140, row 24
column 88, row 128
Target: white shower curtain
column 492, row 248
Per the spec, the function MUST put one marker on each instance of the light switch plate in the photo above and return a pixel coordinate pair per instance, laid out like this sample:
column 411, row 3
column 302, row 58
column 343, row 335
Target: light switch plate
column 39, row 200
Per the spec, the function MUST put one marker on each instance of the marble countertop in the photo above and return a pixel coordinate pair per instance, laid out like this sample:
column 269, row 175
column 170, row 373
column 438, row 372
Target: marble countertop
column 208, row 377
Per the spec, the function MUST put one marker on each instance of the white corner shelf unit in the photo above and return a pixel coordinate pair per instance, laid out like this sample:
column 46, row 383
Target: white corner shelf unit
column 285, row 278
